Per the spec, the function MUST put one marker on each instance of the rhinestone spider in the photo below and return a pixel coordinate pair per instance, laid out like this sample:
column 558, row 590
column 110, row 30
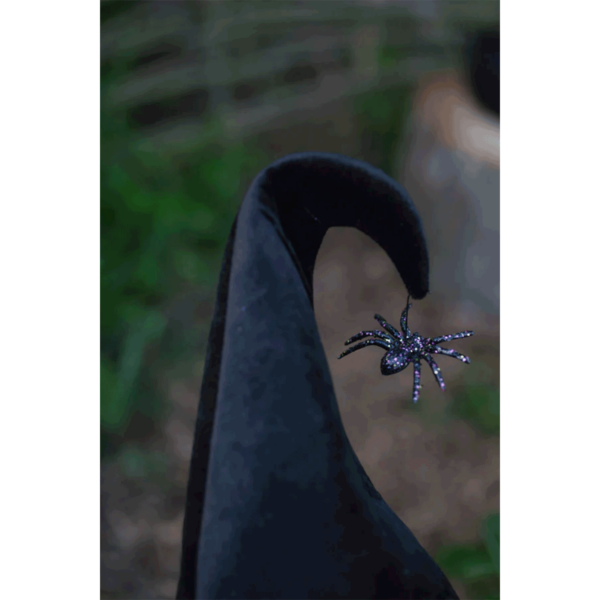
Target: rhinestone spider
column 404, row 348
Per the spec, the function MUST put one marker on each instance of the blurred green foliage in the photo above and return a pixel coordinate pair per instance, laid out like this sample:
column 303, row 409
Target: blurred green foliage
column 114, row 8
column 389, row 56
column 382, row 116
column 164, row 223
column 477, row 566
column 141, row 463
column 478, row 402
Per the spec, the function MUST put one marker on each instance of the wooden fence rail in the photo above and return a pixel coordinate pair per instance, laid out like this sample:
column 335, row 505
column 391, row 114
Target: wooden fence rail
column 251, row 64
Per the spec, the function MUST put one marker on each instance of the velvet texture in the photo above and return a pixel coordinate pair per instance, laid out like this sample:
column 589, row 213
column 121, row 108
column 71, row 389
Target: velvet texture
column 278, row 504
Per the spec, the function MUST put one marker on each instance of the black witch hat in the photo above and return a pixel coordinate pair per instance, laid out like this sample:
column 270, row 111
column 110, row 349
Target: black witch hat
column 278, row 505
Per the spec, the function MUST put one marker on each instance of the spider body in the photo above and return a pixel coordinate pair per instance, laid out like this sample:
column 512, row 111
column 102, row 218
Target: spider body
column 404, row 348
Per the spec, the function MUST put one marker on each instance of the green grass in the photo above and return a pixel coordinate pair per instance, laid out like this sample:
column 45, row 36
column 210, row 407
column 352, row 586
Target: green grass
column 478, row 400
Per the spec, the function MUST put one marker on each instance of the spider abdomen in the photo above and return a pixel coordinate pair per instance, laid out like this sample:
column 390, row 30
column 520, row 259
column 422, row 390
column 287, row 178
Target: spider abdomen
column 394, row 362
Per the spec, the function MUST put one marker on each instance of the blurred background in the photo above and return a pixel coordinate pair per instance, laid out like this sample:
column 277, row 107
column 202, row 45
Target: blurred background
column 197, row 98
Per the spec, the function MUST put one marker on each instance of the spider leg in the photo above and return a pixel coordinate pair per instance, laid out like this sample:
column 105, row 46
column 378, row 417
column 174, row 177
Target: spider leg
column 364, row 344
column 453, row 336
column 389, row 328
column 436, row 370
column 363, row 334
column 452, row 353
column 404, row 321
column 417, row 381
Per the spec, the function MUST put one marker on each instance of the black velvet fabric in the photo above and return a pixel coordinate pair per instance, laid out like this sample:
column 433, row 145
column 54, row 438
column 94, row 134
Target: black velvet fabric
column 278, row 504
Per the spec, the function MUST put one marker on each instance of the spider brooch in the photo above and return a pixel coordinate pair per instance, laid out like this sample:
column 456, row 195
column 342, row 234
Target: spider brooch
column 404, row 348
